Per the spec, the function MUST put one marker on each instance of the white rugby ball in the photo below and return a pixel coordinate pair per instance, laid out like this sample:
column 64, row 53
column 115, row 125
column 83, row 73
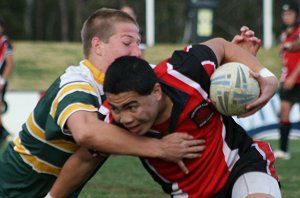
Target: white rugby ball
column 232, row 88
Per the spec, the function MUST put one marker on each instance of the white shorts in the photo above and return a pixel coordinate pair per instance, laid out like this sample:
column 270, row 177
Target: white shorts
column 255, row 182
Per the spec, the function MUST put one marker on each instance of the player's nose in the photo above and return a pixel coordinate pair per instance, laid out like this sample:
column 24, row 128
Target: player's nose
column 125, row 118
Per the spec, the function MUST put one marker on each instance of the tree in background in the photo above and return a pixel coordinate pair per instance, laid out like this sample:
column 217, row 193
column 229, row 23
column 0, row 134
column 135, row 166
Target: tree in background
column 61, row 20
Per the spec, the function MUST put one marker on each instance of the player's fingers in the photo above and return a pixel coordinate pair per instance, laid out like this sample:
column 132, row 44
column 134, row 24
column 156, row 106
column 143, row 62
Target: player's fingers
column 249, row 33
column 254, row 75
column 244, row 28
column 192, row 155
column 194, row 142
column 195, row 149
column 178, row 136
column 237, row 39
column 183, row 167
column 255, row 39
column 184, row 136
column 251, row 112
column 253, row 107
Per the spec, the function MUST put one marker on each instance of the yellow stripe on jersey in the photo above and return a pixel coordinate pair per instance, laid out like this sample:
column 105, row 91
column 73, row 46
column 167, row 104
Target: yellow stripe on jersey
column 39, row 133
column 70, row 88
column 72, row 108
column 98, row 75
column 33, row 161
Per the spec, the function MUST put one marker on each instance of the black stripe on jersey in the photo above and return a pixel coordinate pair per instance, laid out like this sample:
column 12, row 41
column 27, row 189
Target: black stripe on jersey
column 186, row 63
column 179, row 100
column 235, row 134
column 166, row 186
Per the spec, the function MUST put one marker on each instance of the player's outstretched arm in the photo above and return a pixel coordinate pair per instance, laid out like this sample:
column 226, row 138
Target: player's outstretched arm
column 228, row 52
column 92, row 133
column 111, row 139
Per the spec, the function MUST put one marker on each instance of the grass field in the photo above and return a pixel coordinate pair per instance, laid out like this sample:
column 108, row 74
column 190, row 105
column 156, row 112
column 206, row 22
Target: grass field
column 38, row 64
column 125, row 177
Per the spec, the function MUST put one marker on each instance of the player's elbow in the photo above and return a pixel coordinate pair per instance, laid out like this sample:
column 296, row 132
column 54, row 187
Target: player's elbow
column 83, row 135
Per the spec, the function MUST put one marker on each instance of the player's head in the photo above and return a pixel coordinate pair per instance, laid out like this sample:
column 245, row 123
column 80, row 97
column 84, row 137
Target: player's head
column 289, row 12
column 110, row 33
column 134, row 93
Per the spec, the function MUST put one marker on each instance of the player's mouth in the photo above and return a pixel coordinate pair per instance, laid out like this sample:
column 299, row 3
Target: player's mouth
column 134, row 129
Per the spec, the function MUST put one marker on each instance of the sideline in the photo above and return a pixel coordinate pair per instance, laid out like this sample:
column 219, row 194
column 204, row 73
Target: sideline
column 20, row 105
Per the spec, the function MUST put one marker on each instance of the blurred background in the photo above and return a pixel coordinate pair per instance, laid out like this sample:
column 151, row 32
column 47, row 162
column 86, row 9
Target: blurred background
column 61, row 20
column 46, row 38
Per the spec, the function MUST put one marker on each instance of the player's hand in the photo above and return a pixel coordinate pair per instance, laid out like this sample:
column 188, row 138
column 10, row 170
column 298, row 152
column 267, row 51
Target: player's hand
column 178, row 146
column 247, row 40
column 268, row 87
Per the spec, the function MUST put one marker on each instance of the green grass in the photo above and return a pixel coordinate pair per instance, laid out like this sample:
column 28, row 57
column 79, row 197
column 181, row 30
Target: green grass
column 288, row 170
column 37, row 64
column 122, row 176
column 125, row 177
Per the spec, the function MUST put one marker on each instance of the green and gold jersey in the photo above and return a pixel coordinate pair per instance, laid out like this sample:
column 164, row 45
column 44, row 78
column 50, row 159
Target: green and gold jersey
column 44, row 142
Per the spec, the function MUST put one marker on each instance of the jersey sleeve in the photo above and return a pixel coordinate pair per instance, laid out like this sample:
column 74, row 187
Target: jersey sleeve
column 197, row 62
column 73, row 97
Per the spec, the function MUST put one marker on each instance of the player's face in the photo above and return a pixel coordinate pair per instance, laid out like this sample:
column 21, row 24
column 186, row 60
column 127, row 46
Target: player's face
column 125, row 42
column 289, row 17
column 135, row 112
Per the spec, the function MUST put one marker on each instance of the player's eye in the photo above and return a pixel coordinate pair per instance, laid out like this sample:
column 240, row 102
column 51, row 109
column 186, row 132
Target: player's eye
column 115, row 110
column 133, row 108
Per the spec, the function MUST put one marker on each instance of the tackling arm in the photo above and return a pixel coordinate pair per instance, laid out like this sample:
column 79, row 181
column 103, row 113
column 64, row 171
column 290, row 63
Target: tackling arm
column 89, row 131
column 75, row 172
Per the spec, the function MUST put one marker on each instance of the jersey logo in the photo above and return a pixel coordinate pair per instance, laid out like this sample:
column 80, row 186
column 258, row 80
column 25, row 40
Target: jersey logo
column 201, row 114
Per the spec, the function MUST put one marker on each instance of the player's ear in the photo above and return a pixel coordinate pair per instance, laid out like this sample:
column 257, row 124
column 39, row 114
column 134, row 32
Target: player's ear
column 96, row 45
column 157, row 91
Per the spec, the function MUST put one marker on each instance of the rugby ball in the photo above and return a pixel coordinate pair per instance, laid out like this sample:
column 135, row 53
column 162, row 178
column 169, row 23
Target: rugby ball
column 232, row 88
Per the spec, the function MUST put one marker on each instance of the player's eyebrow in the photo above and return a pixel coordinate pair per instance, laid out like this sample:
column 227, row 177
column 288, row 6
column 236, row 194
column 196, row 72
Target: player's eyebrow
column 123, row 106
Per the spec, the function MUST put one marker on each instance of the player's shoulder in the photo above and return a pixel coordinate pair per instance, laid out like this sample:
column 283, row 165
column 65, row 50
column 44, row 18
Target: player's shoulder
column 78, row 73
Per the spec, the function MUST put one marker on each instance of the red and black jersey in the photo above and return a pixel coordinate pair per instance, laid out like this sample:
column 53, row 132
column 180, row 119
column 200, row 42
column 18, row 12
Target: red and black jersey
column 230, row 152
column 290, row 59
column 5, row 49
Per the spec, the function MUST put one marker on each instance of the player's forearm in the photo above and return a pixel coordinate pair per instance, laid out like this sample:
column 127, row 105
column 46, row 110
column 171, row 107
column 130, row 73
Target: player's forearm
column 234, row 53
column 92, row 133
column 228, row 52
column 74, row 173
column 114, row 140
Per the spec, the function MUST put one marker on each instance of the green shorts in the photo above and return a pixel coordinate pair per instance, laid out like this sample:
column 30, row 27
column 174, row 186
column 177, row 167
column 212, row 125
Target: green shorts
column 19, row 180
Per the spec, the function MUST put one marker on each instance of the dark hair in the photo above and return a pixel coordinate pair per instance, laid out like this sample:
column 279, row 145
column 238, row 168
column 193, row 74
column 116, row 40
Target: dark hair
column 129, row 73
column 290, row 5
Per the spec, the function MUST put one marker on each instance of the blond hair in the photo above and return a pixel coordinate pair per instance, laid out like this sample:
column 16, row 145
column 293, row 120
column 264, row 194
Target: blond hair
column 102, row 24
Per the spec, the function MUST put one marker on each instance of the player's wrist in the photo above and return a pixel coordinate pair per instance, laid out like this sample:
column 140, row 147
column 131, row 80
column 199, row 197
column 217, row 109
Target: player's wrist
column 49, row 195
column 265, row 73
